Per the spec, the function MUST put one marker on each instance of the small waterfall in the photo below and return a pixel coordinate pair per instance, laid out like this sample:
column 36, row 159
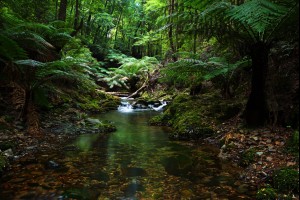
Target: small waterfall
column 125, row 106
column 159, row 108
column 128, row 105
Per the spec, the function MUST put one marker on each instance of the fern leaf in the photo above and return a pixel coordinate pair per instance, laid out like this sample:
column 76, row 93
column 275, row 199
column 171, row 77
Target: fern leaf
column 10, row 50
column 29, row 62
column 259, row 15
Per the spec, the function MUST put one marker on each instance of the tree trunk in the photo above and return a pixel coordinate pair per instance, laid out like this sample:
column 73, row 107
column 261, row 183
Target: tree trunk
column 170, row 33
column 88, row 24
column 63, row 10
column 256, row 112
column 77, row 27
column 56, row 9
column 76, row 18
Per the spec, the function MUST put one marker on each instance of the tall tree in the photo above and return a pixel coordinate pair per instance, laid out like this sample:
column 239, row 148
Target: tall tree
column 255, row 25
column 62, row 15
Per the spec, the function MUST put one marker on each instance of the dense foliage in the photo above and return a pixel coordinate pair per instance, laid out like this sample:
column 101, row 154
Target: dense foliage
column 121, row 45
column 228, row 60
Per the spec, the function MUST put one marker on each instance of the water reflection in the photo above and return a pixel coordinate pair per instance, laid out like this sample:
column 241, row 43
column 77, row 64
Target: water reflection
column 135, row 162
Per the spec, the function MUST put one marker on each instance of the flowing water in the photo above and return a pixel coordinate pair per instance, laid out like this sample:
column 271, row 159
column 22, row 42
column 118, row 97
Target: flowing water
column 136, row 162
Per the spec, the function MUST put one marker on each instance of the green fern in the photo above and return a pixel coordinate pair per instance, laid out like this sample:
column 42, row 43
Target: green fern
column 260, row 16
column 130, row 68
column 188, row 72
column 10, row 50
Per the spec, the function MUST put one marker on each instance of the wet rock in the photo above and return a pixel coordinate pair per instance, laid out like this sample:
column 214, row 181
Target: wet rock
column 177, row 165
column 93, row 121
column 52, row 165
column 100, row 176
column 31, row 147
column 8, row 153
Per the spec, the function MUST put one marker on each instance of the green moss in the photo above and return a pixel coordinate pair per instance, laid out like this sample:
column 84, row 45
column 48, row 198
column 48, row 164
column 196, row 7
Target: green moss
column 98, row 102
column 191, row 116
column 160, row 120
column 286, row 180
column 266, row 194
column 159, row 94
column 105, row 127
column 186, row 115
column 92, row 105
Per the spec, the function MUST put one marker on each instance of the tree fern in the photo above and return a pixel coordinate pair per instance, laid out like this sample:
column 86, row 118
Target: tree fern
column 188, row 72
column 259, row 15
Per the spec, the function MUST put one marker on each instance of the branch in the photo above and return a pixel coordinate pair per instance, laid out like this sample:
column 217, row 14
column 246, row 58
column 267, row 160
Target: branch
column 145, row 84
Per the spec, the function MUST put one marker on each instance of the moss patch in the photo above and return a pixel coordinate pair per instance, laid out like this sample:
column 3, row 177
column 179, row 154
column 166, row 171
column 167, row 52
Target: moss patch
column 192, row 117
column 97, row 102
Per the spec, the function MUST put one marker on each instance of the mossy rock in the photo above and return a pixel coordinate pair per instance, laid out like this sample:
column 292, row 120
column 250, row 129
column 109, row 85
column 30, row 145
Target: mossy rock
column 99, row 103
column 157, row 95
column 191, row 116
column 101, row 126
column 186, row 116
column 160, row 120
column 106, row 128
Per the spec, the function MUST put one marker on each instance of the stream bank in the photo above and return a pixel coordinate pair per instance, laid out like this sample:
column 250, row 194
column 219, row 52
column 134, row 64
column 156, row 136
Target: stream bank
column 260, row 152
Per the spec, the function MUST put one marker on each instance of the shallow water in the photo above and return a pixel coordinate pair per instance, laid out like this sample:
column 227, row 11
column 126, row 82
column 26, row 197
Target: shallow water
column 136, row 162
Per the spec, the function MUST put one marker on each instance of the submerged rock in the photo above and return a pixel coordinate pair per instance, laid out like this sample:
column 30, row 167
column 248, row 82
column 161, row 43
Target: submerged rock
column 52, row 165
column 133, row 172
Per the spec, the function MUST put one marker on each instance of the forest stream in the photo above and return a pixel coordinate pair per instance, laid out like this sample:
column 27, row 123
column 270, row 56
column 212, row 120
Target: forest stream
column 136, row 162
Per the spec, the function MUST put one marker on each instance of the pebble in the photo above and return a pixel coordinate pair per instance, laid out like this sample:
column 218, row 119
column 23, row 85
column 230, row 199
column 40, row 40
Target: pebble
column 269, row 159
column 259, row 153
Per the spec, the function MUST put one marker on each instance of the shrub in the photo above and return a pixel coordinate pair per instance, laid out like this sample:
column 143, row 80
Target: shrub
column 293, row 144
column 286, row 180
column 267, row 193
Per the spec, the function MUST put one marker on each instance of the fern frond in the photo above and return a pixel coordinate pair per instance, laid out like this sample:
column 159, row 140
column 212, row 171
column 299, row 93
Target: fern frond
column 31, row 41
column 29, row 62
column 10, row 50
column 187, row 72
column 259, row 15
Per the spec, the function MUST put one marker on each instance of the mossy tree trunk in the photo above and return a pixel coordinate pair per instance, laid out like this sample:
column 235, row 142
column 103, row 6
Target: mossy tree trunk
column 256, row 112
